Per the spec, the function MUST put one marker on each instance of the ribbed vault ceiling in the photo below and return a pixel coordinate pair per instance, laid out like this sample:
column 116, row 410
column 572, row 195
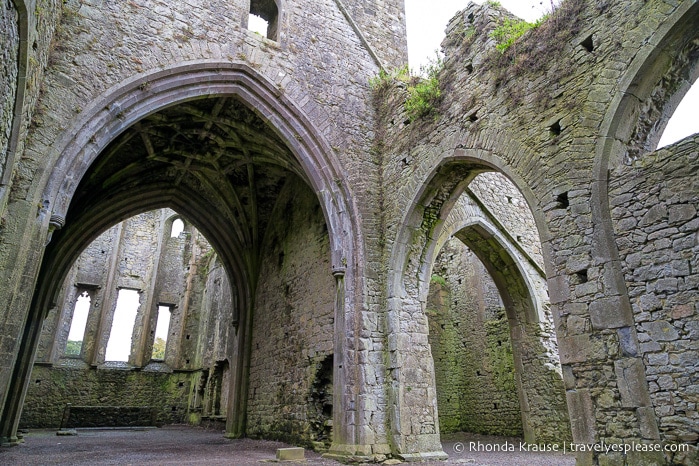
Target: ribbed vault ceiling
column 216, row 147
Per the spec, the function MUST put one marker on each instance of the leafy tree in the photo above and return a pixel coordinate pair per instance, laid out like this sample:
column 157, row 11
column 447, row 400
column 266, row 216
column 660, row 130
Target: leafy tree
column 73, row 347
column 158, row 349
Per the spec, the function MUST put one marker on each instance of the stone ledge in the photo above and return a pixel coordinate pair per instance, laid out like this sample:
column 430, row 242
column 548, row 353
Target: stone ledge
column 428, row 456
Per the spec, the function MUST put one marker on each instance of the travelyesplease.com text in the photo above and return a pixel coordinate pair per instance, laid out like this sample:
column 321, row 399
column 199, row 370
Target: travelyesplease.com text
column 567, row 447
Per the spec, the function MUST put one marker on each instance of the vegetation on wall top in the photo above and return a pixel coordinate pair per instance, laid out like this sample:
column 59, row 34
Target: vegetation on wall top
column 510, row 30
column 423, row 90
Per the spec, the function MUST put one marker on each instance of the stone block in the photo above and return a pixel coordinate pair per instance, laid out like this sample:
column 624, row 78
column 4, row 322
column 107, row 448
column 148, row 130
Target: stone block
column 681, row 213
column 654, row 215
column 582, row 418
column 631, row 381
column 645, row 458
column 610, row 312
column 660, row 330
column 577, row 325
column 628, row 341
column 648, row 423
column 291, row 454
column 681, row 311
column 580, row 348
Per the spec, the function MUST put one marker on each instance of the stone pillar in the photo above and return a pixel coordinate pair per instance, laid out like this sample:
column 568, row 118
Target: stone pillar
column 412, row 393
column 31, row 319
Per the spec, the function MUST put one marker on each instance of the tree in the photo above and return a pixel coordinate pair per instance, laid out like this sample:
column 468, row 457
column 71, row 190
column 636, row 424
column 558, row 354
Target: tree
column 158, row 349
column 73, row 347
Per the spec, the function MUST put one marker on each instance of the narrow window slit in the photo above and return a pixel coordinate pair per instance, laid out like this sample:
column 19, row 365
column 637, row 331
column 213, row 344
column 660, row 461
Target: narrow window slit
column 562, row 201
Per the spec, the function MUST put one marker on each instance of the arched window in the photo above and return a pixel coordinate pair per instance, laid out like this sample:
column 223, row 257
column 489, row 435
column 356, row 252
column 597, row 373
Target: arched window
column 177, row 228
column 161, row 331
column 263, row 18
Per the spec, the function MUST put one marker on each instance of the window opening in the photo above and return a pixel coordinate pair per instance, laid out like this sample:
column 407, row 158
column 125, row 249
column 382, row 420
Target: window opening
column 119, row 344
column 161, row 331
column 258, row 25
column 77, row 325
column 177, row 228
column 683, row 121
column 263, row 18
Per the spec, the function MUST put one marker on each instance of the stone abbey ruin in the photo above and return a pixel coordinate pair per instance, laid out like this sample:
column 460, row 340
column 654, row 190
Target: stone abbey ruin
column 313, row 262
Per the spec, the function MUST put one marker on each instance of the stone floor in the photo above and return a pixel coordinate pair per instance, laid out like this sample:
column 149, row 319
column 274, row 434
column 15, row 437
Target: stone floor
column 181, row 445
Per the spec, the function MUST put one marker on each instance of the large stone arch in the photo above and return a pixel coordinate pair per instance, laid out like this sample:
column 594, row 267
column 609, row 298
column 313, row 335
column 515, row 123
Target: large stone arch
column 649, row 91
column 118, row 109
column 411, row 372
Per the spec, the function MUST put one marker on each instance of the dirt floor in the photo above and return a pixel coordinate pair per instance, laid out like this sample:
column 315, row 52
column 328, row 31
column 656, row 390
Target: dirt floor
column 181, row 445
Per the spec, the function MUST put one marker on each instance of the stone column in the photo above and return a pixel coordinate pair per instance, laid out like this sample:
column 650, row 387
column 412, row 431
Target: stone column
column 412, row 393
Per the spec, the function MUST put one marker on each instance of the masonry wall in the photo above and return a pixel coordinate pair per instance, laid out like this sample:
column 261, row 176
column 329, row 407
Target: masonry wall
column 11, row 250
column 53, row 387
column 575, row 98
column 375, row 18
column 319, row 66
column 139, row 254
column 293, row 323
column 510, row 209
column 190, row 312
column 470, row 340
column 89, row 272
column 654, row 206
column 9, row 56
column 548, row 114
column 216, row 343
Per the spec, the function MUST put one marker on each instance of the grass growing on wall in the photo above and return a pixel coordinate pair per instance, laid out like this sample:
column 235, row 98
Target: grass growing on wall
column 423, row 90
column 510, row 30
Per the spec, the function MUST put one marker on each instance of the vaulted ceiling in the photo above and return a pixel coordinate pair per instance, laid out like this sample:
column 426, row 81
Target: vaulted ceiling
column 216, row 148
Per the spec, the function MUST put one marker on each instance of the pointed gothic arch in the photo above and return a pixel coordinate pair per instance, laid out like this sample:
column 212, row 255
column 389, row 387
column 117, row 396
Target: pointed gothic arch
column 85, row 216
column 418, row 241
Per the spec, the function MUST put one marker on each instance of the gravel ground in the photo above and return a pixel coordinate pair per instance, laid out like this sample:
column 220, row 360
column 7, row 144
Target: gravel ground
column 181, row 445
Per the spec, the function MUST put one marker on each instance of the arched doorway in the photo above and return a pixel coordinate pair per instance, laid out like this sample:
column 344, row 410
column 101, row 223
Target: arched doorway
column 446, row 207
column 218, row 145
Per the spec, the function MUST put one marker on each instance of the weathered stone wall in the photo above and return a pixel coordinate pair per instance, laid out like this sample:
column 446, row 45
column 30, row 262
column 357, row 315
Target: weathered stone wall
column 53, row 387
column 375, row 18
column 303, row 64
column 9, row 57
column 470, row 340
column 180, row 271
column 654, row 206
column 187, row 316
column 220, row 309
column 175, row 252
column 575, row 97
column 12, row 251
column 216, row 351
column 136, row 254
column 319, row 67
column 502, row 199
column 553, row 114
column 140, row 238
column 293, row 320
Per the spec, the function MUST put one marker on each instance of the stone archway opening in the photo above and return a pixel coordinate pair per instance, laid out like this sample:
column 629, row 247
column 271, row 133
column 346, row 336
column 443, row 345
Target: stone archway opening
column 149, row 323
column 470, row 213
column 505, row 374
column 223, row 167
column 471, row 346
